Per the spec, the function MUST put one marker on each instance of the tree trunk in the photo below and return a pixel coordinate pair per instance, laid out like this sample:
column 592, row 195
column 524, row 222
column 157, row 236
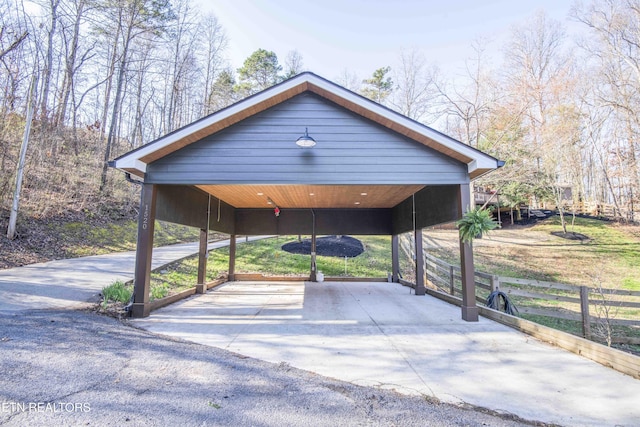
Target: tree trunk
column 70, row 65
column 110, row 72
column 13, row 217
column 48, row 65
column 113, row 126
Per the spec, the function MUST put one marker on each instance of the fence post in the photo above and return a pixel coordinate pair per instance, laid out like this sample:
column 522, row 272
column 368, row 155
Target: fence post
column 419, row 289
column 584, row 308
column 495, row 283
column 395, row 258
column 426, row 268
column 452, row 289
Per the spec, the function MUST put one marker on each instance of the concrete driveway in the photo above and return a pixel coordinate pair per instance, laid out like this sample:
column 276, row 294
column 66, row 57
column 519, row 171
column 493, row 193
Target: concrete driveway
column 379, row 334
column 53, row 356
column 77, row 282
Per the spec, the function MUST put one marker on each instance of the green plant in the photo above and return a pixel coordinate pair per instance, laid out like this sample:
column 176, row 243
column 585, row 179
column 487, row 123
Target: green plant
column 159, row 291
column 116, row 292
column 474, row 223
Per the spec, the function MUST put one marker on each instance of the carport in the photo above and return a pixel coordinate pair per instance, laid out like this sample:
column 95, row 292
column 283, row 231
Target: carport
column 304, row 157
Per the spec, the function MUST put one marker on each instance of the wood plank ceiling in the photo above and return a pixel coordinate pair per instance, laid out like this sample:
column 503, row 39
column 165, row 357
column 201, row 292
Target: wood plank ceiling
column 312, row 196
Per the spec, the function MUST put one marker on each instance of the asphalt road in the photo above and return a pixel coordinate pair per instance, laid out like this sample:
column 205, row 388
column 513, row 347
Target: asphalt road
column 66, row 367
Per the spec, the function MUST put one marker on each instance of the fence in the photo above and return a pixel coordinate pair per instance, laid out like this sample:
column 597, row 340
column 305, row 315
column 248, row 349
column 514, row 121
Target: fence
column 606, row 210
column 591, row 307
column 603, row 210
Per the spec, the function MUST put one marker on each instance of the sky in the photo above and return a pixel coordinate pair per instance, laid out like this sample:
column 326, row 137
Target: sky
column 361, row 36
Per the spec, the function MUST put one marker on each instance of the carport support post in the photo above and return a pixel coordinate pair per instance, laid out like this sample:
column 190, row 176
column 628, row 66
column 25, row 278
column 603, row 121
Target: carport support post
column 232, row 258
column 314, row 267
column 146, row 220
column 469, row 308
column 420, row 290
column 395, row 258
column 201, row 286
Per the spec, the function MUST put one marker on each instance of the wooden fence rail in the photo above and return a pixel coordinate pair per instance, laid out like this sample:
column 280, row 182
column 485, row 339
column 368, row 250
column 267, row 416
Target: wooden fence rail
column 446, row 278
column 602, row 209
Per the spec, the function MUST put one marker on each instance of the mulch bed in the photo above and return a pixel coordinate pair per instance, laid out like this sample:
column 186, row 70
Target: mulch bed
column 571, row 236
column 336, row 246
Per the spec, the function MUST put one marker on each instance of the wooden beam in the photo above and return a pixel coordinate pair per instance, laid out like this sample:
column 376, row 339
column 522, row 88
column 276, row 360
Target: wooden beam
column 395, row 258
column 314, row 267
column 201, row 286
column 584, row 310
column 232, row 258
column 144, row 249
column 419, row 289
column 469, row 307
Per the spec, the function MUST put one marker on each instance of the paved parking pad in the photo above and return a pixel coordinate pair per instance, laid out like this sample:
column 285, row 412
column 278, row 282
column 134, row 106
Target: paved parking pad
column 77, row 282
column 380, row 334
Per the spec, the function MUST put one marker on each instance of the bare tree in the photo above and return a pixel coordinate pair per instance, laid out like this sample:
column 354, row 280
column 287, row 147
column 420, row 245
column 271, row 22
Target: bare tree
column 540, row 73
column 13, row 218
column 141, row 98
column 215, row 42
column 74, row 12
column 48, row 61
column 482, row 112
column 536, row 65
column 416, row 86
column 14, row 42
column 293, row 64
column 349, row 80
column 470, row 107
column 133, row 19
column 182, row 35
column 616, row 48
column 606, row 310
column 15, row 55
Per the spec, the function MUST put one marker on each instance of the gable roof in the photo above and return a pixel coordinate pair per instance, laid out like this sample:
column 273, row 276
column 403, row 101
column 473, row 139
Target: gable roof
column 478, row 163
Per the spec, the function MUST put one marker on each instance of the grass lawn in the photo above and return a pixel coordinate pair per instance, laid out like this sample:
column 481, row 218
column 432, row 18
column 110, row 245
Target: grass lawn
column 610, row 257
column 266, row 257
column 119, row 236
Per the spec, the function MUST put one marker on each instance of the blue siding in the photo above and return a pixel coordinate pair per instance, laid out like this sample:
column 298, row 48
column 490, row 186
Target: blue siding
column 350, row 150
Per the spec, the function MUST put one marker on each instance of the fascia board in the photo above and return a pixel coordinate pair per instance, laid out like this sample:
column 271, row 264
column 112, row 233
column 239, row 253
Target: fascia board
column 130, row 162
